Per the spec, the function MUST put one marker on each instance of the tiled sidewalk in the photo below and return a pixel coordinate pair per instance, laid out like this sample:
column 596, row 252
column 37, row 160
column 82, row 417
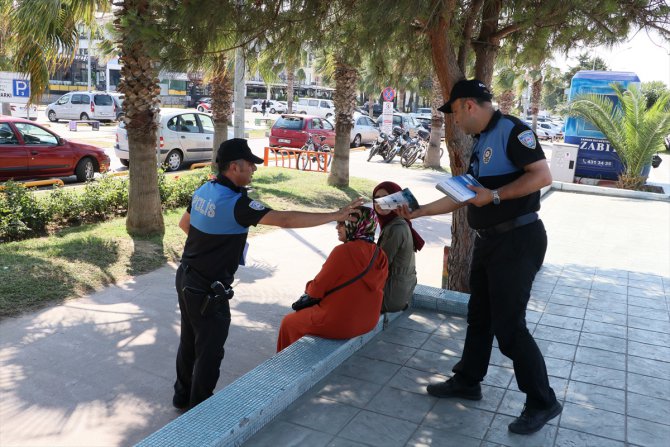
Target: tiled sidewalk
column 605, row 337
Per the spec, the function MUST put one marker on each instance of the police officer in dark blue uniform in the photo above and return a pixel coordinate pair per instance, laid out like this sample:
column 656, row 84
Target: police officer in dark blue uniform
column 509, row 249
column 217, row 222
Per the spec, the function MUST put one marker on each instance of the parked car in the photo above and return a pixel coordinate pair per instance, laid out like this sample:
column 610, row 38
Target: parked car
column 365, row 130
column 24, row 111
column 204, row 105
column 426, row 124
column 82, row 106
column 324, row 108
column 291, row 130
column 273, row 107
column 423, row 112
column 184, row 136
column 118, row 103
column 28, row 150
column 405, row 121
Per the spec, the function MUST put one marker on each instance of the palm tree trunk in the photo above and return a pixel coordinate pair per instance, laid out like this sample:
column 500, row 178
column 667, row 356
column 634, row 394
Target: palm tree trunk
column 344, row 99
column 459, row 146
column 371, row 103
column 222, row 105
column 139, row 84
column 432, row 159
column 6, row 109
column 401, row 100
column 290, row 80
column 506, row 101
column 535, row 98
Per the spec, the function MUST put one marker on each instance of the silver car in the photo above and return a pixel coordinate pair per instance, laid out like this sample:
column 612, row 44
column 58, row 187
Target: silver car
column 184, row 136
column 83, row 106
column 365, row 130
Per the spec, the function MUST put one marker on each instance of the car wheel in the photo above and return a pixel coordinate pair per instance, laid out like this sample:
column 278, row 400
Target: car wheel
column 52, row 116
column 254, row 109
column 173, row 160
column 85, row 170
column 357, row 140
column 83, row 117
column 273, row 111
column 124, row 162
column 201, row 109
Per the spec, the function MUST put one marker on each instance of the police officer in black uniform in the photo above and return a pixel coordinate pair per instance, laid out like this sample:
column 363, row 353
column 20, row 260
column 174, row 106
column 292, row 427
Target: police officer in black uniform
column 217, row 222
column 509, row 249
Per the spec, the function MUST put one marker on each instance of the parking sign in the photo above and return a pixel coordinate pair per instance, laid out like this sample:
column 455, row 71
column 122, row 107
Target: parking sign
column 388, row 94
column 14, row 87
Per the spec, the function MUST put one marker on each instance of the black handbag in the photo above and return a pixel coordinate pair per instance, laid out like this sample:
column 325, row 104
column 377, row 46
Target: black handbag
column 307, row 301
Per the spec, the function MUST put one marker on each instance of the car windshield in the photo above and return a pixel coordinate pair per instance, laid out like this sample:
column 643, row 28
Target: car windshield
column 103, row 100
column 289, row 122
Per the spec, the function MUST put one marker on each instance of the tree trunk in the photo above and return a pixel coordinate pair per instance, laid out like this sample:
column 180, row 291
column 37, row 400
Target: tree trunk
column 140, row 86
column 459, row 146
column 535, row 98
column 290, row 80
column 487, row 44
column 222, row 105
column 432, row 159
column 371, row 103
column 6, row 109
column 506, row 101
column 401, row 100
column 344, row 99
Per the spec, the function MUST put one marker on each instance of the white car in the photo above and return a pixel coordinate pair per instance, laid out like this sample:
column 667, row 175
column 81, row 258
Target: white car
column 365, row 130
column 273, row 107
column 24, row 111
column 423, row 113
column 184, row 136
column 83, row 106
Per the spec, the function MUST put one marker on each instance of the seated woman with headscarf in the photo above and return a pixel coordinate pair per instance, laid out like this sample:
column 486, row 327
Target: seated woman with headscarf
column 399, row 241
column 351, row 310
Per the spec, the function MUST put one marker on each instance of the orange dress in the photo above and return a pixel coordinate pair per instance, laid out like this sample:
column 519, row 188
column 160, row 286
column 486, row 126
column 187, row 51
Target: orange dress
column 348, row 312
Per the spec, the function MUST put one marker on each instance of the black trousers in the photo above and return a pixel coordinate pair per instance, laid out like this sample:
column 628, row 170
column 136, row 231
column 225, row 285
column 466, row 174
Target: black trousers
column 200, row 344
column 501, row 275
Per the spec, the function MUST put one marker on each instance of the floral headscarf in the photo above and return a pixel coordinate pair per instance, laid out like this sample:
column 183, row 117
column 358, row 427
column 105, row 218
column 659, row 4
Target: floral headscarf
column 363, row 228
column 391, row 187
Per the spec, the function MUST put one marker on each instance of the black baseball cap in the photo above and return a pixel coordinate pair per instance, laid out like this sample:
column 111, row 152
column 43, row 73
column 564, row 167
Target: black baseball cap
column 236, row 149
column 473, row 88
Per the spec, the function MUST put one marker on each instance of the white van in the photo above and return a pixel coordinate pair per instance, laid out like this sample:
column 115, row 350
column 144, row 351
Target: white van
column 82, row 106
column 324, row 108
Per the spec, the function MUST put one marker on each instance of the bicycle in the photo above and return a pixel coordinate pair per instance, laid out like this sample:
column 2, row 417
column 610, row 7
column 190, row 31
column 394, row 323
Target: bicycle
column 321, row 153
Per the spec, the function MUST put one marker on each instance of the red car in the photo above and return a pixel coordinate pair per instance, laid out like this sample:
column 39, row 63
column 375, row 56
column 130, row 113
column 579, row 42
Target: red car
column 28, row 150
column 204, row 105
column 291, row 130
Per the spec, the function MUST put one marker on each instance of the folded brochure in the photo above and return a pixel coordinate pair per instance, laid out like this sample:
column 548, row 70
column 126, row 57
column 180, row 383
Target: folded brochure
column 456, row 189
column 397, row 199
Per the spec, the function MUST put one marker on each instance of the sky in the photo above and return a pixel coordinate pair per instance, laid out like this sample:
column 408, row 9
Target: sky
column 644, row 53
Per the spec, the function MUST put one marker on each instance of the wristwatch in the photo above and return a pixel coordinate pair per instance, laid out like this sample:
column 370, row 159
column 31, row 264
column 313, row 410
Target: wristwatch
column 496, row 197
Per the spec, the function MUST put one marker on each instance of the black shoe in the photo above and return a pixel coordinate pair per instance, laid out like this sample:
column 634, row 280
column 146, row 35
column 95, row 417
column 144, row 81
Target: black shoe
column 531, row 420
column 180, row 402
column 453, row 388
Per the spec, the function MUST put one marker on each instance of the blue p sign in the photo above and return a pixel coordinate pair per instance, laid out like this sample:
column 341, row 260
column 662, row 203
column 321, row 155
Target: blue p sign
column 21, row 88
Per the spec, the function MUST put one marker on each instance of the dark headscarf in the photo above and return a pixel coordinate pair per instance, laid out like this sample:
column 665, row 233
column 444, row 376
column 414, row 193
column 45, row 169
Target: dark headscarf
column 364, row 228
column 391, row 187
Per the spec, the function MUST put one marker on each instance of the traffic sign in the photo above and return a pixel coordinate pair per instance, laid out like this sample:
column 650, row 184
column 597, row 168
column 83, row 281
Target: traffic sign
column 388, row 94
column 14, row 87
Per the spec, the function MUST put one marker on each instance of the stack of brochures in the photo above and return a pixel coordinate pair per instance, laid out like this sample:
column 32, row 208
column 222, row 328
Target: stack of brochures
column 456, row 187
column 397, row 199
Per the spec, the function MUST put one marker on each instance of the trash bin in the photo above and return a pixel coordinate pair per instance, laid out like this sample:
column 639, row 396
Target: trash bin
column 563, row 162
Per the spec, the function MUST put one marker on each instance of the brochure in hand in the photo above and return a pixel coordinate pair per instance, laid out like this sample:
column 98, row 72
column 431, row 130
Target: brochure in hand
column 456, row 189
column 397, row 199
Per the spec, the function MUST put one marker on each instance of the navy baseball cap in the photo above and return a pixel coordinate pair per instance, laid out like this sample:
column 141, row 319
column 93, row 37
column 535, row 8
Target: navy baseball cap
column 236, row 149
column 473, row 88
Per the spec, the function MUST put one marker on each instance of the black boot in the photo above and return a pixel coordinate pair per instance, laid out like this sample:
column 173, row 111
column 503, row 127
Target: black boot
column 531, row 419
column 455, row 388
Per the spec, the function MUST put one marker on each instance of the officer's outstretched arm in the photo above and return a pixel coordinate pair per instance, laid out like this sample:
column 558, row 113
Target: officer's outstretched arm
column 441, row 206
column 185, row 222
column 300, row 219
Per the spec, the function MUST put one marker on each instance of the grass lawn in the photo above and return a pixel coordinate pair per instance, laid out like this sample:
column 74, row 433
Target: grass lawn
column 79, row 260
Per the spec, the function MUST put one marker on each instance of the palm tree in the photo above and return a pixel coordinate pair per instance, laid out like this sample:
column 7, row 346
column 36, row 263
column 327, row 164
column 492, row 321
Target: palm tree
column 634, row 131
column 503, row 86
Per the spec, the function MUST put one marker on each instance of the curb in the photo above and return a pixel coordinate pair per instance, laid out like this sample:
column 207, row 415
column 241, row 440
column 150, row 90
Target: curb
column 612, row 192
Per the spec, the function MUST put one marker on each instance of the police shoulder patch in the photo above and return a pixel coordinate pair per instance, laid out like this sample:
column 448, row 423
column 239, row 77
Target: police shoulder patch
column 256, row 205
column 527, row 138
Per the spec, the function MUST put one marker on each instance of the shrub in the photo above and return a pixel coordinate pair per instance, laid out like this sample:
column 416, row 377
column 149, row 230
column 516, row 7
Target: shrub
column 21, row 214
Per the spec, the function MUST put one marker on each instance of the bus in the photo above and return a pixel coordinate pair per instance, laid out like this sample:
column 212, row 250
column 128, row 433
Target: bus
column 596, row 158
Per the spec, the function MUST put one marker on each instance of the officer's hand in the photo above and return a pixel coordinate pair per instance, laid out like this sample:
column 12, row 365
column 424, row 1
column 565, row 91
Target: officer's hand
column 404, row 212
column 484, row 196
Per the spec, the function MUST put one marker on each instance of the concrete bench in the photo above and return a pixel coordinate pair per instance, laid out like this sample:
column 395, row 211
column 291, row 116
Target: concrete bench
column 241, row 409
column 95, row 125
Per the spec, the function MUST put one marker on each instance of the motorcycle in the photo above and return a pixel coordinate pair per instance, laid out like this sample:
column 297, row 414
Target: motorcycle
column 417, row 149
column 383, row 145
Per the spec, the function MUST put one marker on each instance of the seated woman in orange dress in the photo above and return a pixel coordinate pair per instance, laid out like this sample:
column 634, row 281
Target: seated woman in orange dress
column 352, row 310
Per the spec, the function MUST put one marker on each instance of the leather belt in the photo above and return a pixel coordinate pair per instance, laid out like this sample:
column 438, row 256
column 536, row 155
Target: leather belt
column 508, row 225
